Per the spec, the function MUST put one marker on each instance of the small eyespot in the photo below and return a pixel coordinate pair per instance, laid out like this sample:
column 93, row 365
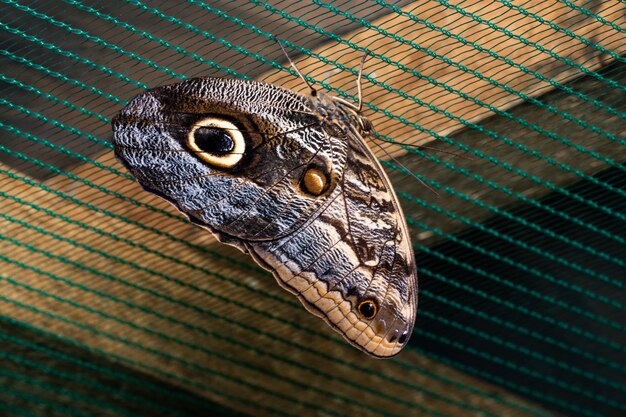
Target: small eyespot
column 368, row 309
column 217, row 142
column 314, row 181
column 403, row 337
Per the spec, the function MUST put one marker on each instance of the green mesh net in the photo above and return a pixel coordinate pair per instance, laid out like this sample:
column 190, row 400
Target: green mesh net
column 501, row 125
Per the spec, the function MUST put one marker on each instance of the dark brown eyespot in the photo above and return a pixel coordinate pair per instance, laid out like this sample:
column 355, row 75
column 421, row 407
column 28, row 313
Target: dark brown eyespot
column 368, row 309
column 214, row 140
column 217, row 142
column 314, row 181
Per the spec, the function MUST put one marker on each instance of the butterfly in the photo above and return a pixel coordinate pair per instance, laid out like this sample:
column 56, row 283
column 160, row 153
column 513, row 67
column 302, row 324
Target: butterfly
column 288, row 179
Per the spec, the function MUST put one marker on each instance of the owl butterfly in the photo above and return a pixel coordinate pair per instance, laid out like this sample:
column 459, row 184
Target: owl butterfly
column 288, row 179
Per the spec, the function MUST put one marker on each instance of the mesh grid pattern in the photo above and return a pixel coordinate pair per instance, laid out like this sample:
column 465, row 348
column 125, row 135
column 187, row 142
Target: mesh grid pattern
column 521, row 250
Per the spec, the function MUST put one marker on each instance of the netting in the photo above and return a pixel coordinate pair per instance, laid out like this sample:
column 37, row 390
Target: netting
column 112, row 304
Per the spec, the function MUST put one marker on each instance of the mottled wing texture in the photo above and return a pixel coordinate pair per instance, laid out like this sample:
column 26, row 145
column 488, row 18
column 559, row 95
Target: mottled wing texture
column 356, row 249
column 256, row 200
column 336, row 249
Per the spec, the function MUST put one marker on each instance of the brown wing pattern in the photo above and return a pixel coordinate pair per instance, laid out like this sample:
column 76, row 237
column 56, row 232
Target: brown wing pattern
column 288, row 179
column 355, row 249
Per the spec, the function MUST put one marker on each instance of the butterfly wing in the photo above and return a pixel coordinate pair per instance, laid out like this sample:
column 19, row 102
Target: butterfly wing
column 255, row 199
column 356, row 251
column 273, row 173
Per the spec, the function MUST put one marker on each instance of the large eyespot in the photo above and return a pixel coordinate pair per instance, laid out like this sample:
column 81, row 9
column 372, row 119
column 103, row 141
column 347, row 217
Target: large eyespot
column 217, row 142
column 368, row 309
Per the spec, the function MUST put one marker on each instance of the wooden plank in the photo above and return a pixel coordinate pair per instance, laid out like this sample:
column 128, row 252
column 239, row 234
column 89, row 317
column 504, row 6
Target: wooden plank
column 207, row 321
column 440, row 66
column 472, row 189
column 172, row 298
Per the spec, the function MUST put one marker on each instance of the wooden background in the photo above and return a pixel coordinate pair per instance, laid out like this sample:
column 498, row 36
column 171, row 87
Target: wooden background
column 91, row 258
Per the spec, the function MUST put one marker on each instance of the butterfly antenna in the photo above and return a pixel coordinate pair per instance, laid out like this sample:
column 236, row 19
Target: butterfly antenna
column 431, row 148
column 359, row 86
column 293, row 65
column 401, row 165
column 422, row 147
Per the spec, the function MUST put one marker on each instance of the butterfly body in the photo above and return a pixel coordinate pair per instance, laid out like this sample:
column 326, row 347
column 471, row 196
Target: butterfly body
column 288, row 179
